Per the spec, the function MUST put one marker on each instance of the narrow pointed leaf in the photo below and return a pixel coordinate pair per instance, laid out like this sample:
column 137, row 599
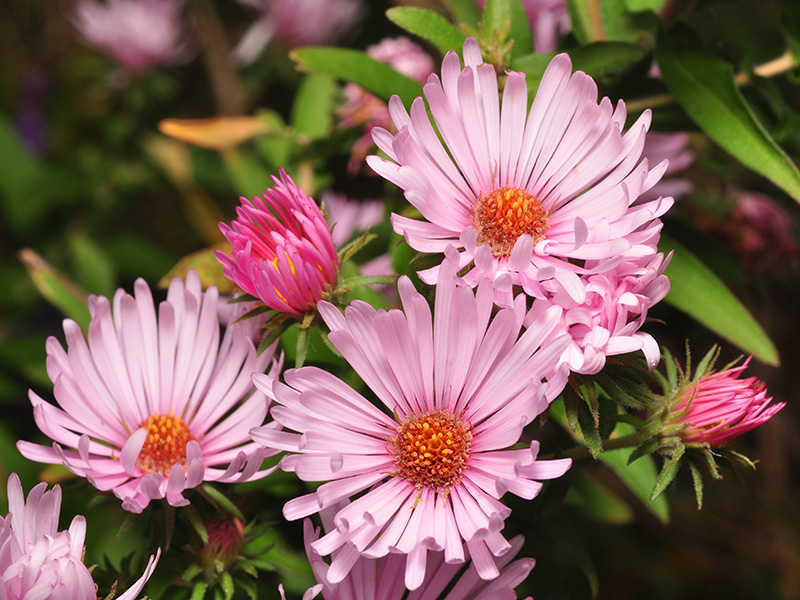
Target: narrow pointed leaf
column 428, row 25
column 57, row 288
column 705, row 88
column 355, row 66
column 697, row 291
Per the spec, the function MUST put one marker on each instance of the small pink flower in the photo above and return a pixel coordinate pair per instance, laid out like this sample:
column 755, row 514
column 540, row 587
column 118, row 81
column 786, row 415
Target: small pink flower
column 138, row 34
column 430, row 468
column 283, row 252
column 554, row 195
column 37, row 560
column 347, row 217
column 379, row 579
column 614, row 308
column 153, row 402
column 720, row 407
column 672, row 147
column 296, row 23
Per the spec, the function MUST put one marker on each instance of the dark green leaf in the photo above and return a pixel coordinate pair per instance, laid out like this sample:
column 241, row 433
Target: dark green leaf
column 696, row 291
column 352, row 65
column 59, row 290
column 93, row 267
column 705, row 88
column 312, row 112
column 428, row 25
column 520, row 30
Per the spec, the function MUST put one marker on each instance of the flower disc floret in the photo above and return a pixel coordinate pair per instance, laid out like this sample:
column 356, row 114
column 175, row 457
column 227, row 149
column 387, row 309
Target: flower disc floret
column 502, row 216
column 431, row 450
column 165, row 444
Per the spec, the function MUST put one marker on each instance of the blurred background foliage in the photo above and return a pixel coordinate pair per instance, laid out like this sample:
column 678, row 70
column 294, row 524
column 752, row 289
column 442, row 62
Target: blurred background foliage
column 102, row 183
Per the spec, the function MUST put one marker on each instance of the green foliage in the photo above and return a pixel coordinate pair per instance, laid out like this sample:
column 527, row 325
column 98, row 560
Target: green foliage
column 695, row 290
column 429, row 25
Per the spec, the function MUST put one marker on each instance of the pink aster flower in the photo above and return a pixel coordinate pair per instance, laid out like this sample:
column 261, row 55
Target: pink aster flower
column 613, row 310
column 381, row 579
column 153, row 402
column 428, row 471
column 37, row 560
column 295, row 23
column 138, row 34
column 348, row 216
column 554, row 195
column 283, row 252
column 719, row 407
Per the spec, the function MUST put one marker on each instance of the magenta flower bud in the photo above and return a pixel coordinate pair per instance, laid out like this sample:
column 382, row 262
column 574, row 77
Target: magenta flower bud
column 719, row 407
column 283, row 252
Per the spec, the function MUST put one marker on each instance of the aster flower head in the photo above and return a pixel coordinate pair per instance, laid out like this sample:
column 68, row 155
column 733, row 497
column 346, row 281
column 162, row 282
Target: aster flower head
column 381, row 578
column 428, row 470
column 295, row 23
column 283, row 252
column 137, row 34
column 153, row 401
column 608, row 320
column 715, row 408
column 39, row 561
column 551, row 196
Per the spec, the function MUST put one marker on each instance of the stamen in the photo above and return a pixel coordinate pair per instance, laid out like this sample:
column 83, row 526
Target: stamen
column 431, row 450
column 165, row 446
column 504, row 214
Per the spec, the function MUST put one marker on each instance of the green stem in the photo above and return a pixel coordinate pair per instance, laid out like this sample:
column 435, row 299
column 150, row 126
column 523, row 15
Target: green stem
column 626, row 441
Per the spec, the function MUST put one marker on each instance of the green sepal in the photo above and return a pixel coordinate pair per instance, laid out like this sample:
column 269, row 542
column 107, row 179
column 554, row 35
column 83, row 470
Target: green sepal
column 221, row 500
column 668, row 471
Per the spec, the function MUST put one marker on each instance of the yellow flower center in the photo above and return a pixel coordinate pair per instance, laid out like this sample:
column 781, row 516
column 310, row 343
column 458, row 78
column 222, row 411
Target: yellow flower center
column 431, row 450
column 165, row 446
column 501, row 216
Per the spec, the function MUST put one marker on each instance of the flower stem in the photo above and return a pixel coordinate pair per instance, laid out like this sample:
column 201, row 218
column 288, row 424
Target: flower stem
column 625, row 441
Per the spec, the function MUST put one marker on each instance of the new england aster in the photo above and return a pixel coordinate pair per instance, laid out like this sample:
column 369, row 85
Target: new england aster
column 534, row 201
column 153, row 402
column 427, row 471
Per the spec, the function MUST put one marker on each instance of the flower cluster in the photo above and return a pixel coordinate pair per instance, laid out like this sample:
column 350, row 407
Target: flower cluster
column 541, row 224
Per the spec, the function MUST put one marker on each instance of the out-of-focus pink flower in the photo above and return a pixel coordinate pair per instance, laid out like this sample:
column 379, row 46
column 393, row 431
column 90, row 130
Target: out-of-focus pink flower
column 39, row 561
column 549, row 20
column 295, row 23
column 554, row 195
column 380, row 579
column 283, row 252
column 139, row 35
column 363, row 108
column 608, row 320
column 153, row 402
column 760, row 230
column 457, row 390
column 720, row 407
column 347, row 216
column 672, row 147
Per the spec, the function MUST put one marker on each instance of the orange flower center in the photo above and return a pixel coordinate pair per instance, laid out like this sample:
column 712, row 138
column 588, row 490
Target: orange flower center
column 431, row 450
column 501, row 216
column 165, row 446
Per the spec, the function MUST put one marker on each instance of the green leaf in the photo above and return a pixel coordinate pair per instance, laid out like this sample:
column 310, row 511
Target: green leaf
column 464, row 11
column 603, row 58
column 93, row 267
column 428, row 25
column 596, row 501
column 668, row 472
column 353, row 65
column 496, row 14
column 705, row 88
column 312, row 112
column 58, row 289
column 643, row 5
column 520, row 30
column 698, row 292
